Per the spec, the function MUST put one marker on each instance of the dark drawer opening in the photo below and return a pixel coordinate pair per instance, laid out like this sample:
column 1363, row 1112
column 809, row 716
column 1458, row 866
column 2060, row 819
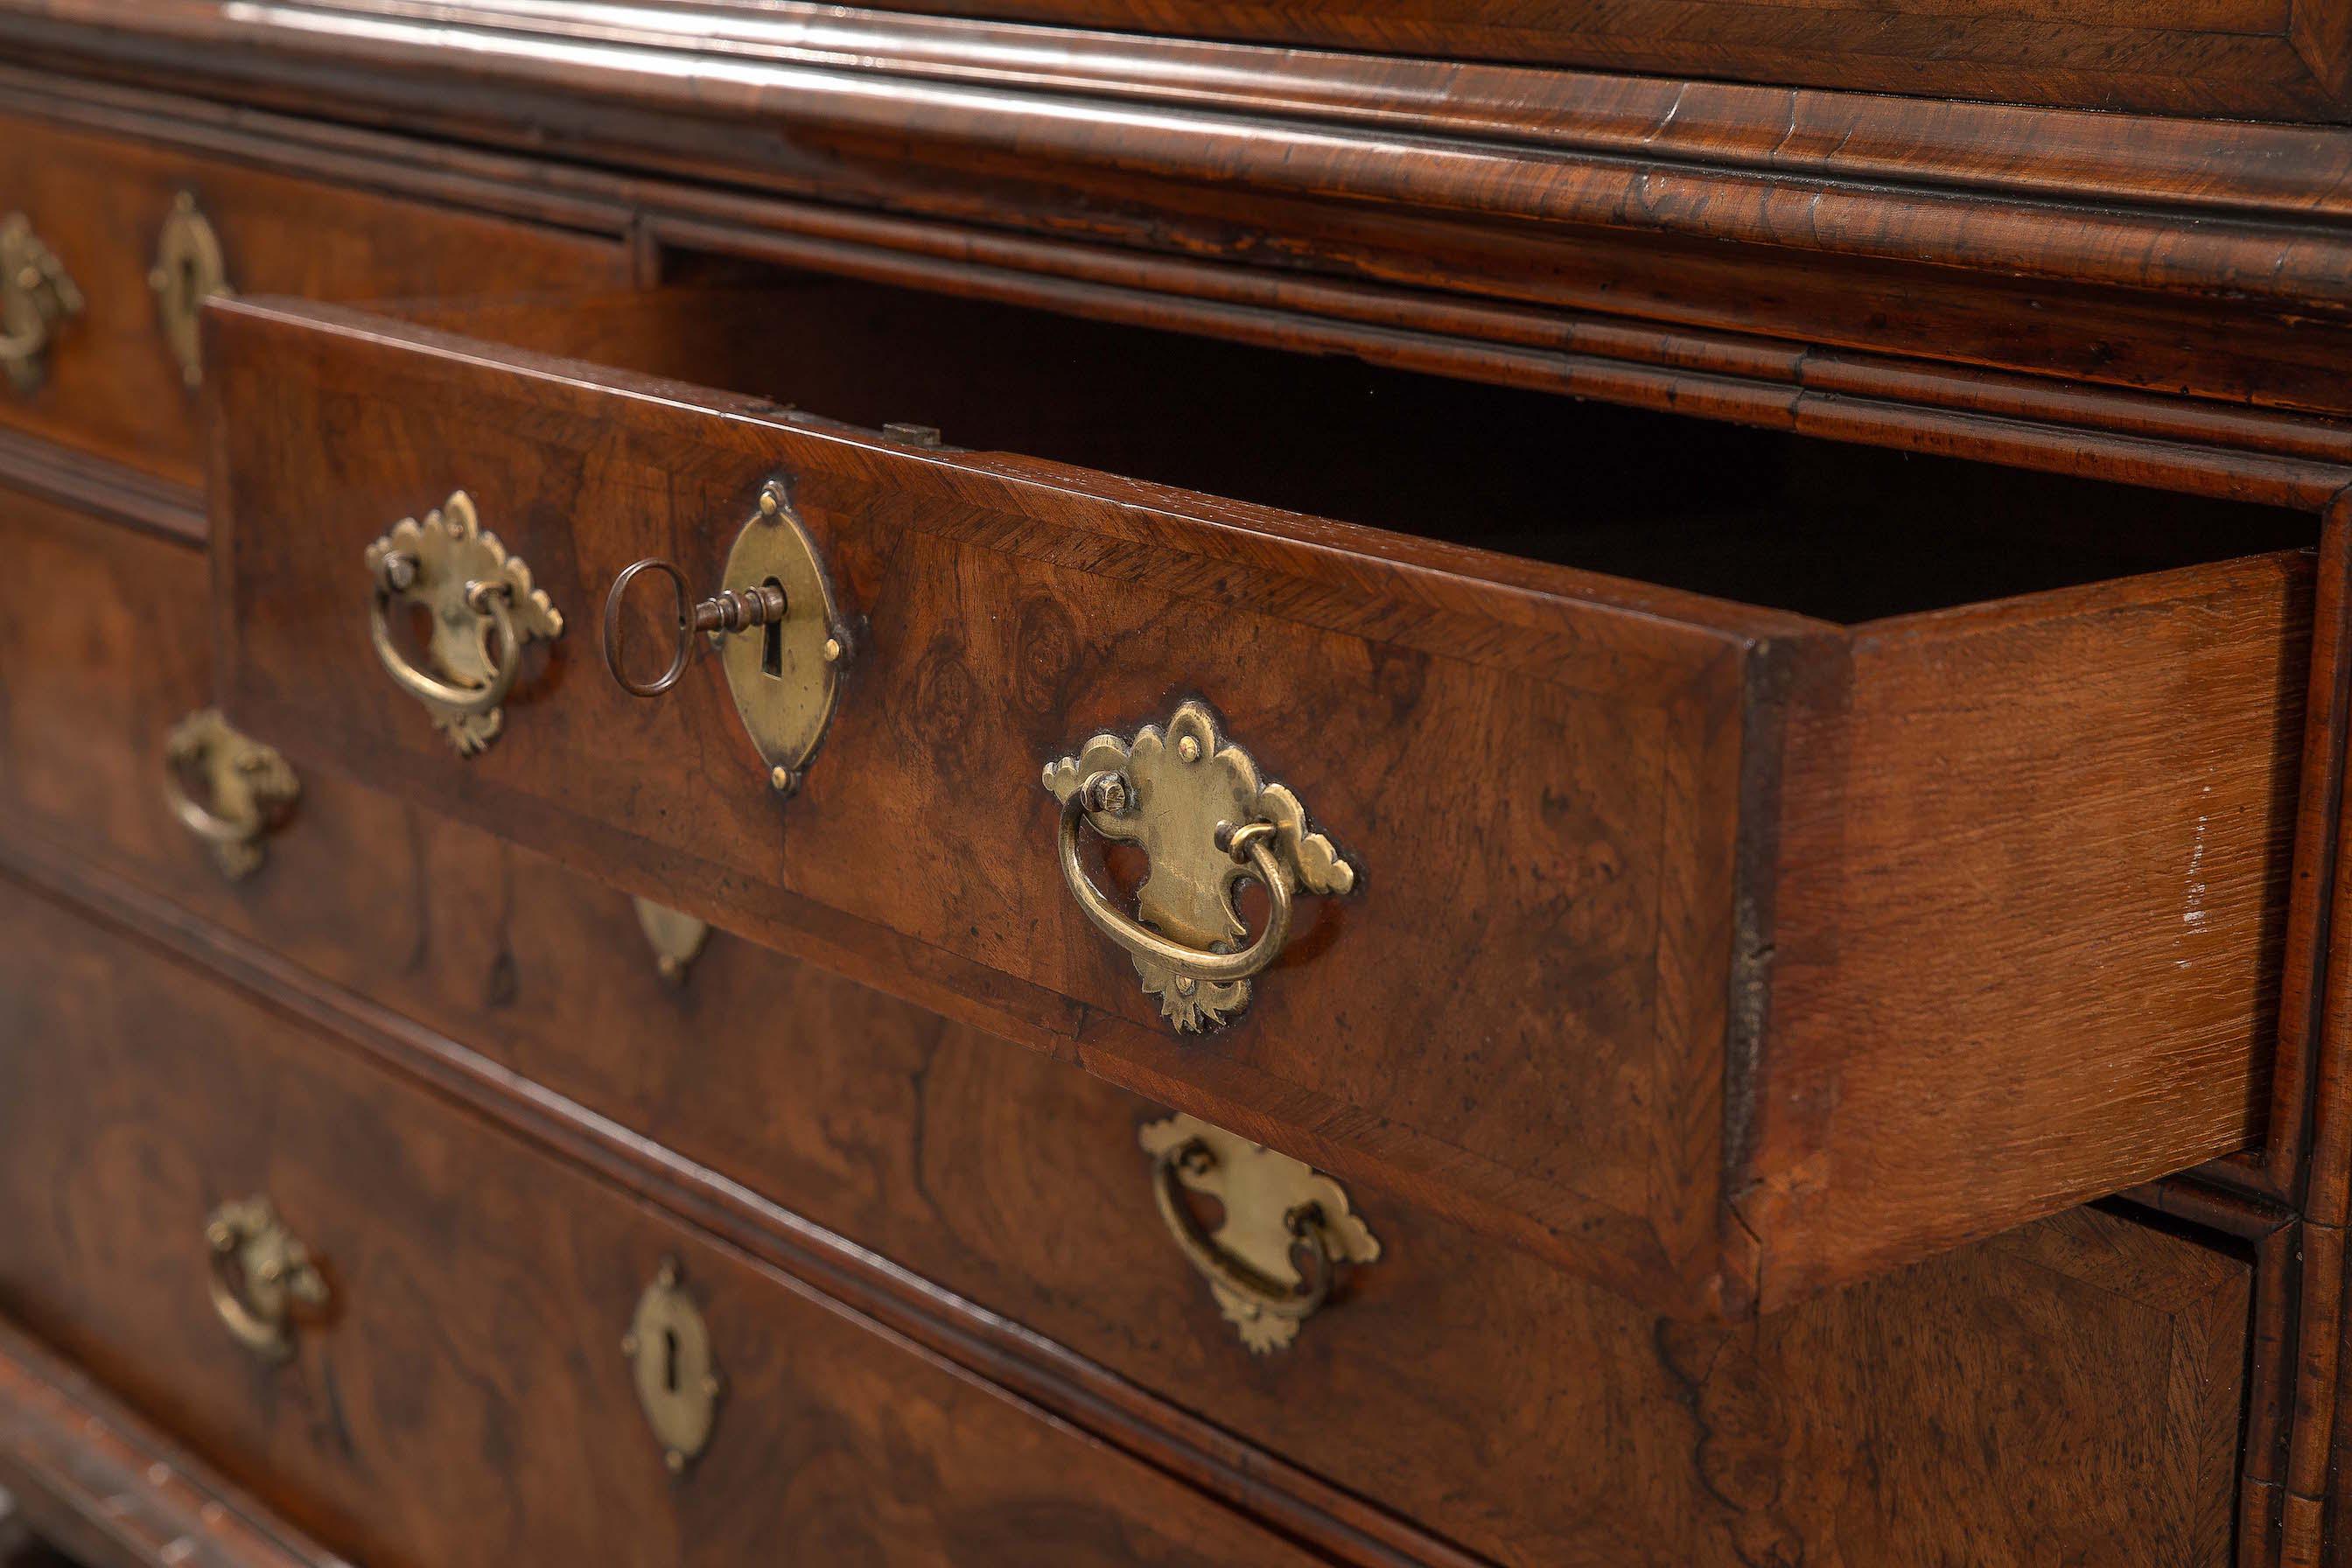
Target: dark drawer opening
column 1826, row 529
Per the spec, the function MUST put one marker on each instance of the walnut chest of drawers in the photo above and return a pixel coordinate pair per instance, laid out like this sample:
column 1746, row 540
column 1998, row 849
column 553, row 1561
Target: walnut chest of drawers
column 1178, row 783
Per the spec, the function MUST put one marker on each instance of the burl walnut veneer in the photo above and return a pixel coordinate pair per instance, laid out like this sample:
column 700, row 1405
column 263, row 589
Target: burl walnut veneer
column 1546, row 785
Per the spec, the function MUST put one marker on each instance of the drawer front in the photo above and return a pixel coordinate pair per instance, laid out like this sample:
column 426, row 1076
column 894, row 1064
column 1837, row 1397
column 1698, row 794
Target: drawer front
column 129, row 224
column 1558, row 1431
column 457, row 1392
column 1019, row 1182
column 457, row 1397
column 1543, row 1004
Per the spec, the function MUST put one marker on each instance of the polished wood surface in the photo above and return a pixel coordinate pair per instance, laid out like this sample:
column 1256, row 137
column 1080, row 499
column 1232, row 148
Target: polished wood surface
column 2143, row 1329
column 1863, row 853
column 2192, row 56
column 1009, row 609
column 112, row 385
column 479, row 1294
column 1720, row 247
column 97, row 1478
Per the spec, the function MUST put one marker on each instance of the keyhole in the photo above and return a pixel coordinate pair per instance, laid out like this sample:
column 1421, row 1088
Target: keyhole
column 670, row 1360
column 772, row 643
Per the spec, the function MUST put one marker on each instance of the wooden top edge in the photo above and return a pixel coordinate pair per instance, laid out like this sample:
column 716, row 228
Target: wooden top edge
column 2271, row 167
column 2290, row 570
column 2257, row 211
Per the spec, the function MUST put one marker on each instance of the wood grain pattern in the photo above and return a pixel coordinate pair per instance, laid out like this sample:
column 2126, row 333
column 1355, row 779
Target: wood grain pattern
column 100, row 1480
column 2166, row 257
column 1608, row 1151
column 112, row 386
column 1663, row 1442
column 464, row 1403
column 2194, row 57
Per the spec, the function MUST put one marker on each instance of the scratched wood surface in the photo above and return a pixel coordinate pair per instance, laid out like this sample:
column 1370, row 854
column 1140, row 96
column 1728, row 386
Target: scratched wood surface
column 1010, row 609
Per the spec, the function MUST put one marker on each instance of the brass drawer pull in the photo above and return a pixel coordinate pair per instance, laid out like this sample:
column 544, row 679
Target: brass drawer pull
column 1199, row 809
column 483, row 608
column 246, row 789
column 1274, row 1209
column 36, row 298
column 781, row 640
column 260, row 1273
column 189, row 269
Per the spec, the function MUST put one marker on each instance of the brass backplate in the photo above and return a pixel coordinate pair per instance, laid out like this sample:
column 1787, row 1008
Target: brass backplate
column 452, row 551
column 1185, row 785
column 1260, row 1191
column 785, row 677
column 230, row 789
column 36, row 297
column 261, row 1274
column 669, row 1347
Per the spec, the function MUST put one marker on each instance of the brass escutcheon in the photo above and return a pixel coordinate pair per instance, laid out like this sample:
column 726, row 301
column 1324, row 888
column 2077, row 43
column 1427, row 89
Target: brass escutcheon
column 782, row 642
column 36, row 298
column 1276, row 1209
column 668, row 1348
column 675, row 937
column 1208, row 822
column 242, row 789
column 189, row 269
column 260, row 1273
column 484, row 611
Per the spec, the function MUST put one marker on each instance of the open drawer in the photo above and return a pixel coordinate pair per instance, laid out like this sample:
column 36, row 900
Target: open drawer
column 1717, row 951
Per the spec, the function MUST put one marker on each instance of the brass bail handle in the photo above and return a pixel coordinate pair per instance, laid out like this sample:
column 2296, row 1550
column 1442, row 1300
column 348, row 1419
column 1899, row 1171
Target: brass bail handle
column 1271, row 1297
column 36, row 298
column 260, row 1273
column 728, row 611
column 1250, row 843
column 395, row 573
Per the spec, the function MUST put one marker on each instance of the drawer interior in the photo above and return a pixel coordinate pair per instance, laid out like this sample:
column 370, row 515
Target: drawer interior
column 1822, row 529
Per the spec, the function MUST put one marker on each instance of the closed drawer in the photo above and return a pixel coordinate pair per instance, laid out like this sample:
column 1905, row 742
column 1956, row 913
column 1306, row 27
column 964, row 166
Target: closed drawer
column 137, row 230
column 1717, row 951
column 457, row 1392
column 1520, row 1412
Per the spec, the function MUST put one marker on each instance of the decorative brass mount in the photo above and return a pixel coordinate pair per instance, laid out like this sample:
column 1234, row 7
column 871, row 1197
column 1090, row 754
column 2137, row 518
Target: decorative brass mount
column 484, row 609
column 1200, row 812
column 261, row 1272
column 669, row 1347
column 1275, row 1210
column 781, row 640
column 188, row 270
column 246, row 789
column 675, row 937
column 36, row 298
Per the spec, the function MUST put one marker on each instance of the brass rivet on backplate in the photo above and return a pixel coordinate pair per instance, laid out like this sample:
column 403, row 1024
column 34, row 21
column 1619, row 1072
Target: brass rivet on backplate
column 676, row 1461
column 833, row 650
column 783, row 780
column 769, row 505
column 1188, row 749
